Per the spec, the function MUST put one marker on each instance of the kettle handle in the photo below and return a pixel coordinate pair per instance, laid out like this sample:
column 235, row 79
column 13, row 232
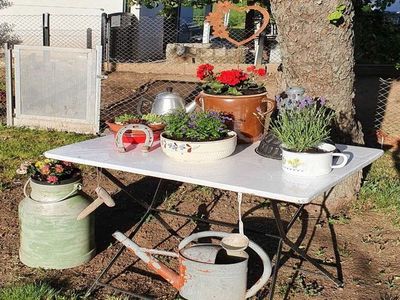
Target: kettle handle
column 140, row 104
column 257, row 249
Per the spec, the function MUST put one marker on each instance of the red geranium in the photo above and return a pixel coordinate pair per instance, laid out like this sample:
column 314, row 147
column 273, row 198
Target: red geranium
column 231, row 82
column 204, row 71
column 261, row 72
column 232, row 77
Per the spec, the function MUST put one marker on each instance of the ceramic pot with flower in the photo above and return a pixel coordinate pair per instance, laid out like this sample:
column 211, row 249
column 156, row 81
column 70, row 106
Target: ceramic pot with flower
column 303, row 128
column 239, row 94
column 197, row 137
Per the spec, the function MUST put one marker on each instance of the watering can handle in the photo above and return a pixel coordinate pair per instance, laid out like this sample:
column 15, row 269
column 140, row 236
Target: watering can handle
column 77, row 187
column 257, row 249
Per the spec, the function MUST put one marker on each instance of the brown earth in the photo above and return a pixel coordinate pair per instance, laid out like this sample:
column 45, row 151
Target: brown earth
column 367, row 242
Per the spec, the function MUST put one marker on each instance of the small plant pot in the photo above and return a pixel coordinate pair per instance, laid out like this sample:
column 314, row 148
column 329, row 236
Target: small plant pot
column 136, row 136
column 311, row 164
column 199, row 151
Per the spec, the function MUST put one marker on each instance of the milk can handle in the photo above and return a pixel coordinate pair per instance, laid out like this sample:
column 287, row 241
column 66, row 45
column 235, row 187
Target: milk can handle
column 77, row 187
column 257, row 249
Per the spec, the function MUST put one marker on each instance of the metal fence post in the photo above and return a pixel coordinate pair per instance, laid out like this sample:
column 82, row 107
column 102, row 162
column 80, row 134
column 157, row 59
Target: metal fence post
column 89, row 34
column 46, row 29
column 104, row 37
column 9, row 90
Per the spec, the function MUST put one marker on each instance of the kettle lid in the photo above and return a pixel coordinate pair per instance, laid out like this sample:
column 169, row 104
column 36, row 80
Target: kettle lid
column 168, row 94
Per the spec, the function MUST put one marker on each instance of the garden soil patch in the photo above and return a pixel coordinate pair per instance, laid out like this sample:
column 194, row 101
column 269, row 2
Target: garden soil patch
column 367, row 246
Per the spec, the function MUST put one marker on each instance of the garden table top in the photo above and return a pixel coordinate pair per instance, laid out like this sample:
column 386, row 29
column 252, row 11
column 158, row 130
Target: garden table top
column 243, row 172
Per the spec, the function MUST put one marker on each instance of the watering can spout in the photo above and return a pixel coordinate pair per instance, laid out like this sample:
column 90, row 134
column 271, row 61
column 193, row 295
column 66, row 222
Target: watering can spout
column 173, row 278
column 190, row 107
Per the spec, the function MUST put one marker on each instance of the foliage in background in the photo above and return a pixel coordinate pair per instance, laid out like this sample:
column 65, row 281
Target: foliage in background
column 377, row 40
column 6, row 30
column 381, row 189
column 336, row 17
column 21, row 144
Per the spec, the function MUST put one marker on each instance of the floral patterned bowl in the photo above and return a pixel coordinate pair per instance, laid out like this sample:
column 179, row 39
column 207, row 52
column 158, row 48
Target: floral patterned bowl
column 199, row 151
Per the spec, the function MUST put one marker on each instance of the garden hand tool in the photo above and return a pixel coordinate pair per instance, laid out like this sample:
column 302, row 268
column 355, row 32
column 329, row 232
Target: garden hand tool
column 102, row 197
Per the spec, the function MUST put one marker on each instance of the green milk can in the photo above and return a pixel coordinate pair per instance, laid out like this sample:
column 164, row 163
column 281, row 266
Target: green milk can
column 50, row 235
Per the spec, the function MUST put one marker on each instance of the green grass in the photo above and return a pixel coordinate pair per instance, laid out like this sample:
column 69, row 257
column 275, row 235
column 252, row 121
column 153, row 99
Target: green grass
column 381, row 189
column 21, row 144
column 44, row 291
column 34, row 291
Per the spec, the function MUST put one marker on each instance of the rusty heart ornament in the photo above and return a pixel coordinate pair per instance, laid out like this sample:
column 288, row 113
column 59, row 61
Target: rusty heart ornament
column 216, row 20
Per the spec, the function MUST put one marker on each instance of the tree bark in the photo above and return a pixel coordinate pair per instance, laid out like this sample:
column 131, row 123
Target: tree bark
column 319, row 56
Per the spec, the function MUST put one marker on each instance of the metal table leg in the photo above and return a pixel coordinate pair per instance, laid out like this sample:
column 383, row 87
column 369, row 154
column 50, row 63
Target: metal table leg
column 296, row 249
column 135, row 229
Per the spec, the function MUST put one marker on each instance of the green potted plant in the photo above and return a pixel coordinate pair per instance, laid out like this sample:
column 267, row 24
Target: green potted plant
column 238, row 93
column 155, row 122
column 303, row 129
column 198, row 136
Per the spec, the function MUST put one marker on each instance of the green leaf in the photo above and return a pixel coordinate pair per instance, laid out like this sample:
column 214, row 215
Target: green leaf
column 335, row 16
column 341, row 8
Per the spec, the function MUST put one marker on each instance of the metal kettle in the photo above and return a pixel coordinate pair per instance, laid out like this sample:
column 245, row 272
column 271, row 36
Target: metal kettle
column 166, row 102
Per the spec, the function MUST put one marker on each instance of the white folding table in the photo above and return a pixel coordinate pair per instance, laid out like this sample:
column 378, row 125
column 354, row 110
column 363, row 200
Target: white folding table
column 243, row 172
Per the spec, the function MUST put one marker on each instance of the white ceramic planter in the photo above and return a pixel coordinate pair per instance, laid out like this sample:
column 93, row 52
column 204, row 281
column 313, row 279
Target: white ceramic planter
column 311, row 164
column 199, row 151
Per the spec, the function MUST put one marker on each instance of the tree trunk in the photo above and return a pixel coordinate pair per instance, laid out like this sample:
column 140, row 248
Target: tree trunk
column 318, row 56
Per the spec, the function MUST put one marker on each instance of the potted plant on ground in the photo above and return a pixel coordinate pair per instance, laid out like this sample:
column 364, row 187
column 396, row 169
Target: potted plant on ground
column 153, row 121
column 304, row 131
column 237, row 93
column 198, row 136
column 50, row 235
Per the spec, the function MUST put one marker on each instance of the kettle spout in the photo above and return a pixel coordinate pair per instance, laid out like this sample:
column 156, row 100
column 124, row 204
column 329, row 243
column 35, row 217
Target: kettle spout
column 190, row 107
column 173, row 278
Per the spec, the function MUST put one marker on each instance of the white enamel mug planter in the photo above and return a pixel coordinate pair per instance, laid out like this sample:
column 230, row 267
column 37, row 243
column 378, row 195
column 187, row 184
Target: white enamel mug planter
column 312, row 164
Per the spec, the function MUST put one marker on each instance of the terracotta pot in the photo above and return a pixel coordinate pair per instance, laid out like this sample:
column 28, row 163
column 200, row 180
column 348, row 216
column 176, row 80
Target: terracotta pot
column 243, row 109
column 136, row 136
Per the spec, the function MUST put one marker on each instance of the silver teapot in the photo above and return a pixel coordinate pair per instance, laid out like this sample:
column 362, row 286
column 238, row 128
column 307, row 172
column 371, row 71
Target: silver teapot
column 166, row 102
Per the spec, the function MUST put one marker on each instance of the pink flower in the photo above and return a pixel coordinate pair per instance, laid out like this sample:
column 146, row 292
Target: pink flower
column 59, row 168
column 45, row 170
column 52, row 179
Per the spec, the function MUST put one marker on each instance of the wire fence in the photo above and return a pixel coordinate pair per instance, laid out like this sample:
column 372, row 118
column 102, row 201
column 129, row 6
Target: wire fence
column 145, row 55
column 387, row 116
column 65, row 30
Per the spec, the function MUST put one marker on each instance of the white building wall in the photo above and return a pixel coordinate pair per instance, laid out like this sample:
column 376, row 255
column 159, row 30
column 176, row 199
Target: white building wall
column 63, row 7
column 69, row 20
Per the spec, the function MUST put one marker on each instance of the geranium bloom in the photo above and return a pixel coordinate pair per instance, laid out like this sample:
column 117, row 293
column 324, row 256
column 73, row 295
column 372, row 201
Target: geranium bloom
column 232, row 77
column 204, row 71
column 261, row 72
column 251, row 68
